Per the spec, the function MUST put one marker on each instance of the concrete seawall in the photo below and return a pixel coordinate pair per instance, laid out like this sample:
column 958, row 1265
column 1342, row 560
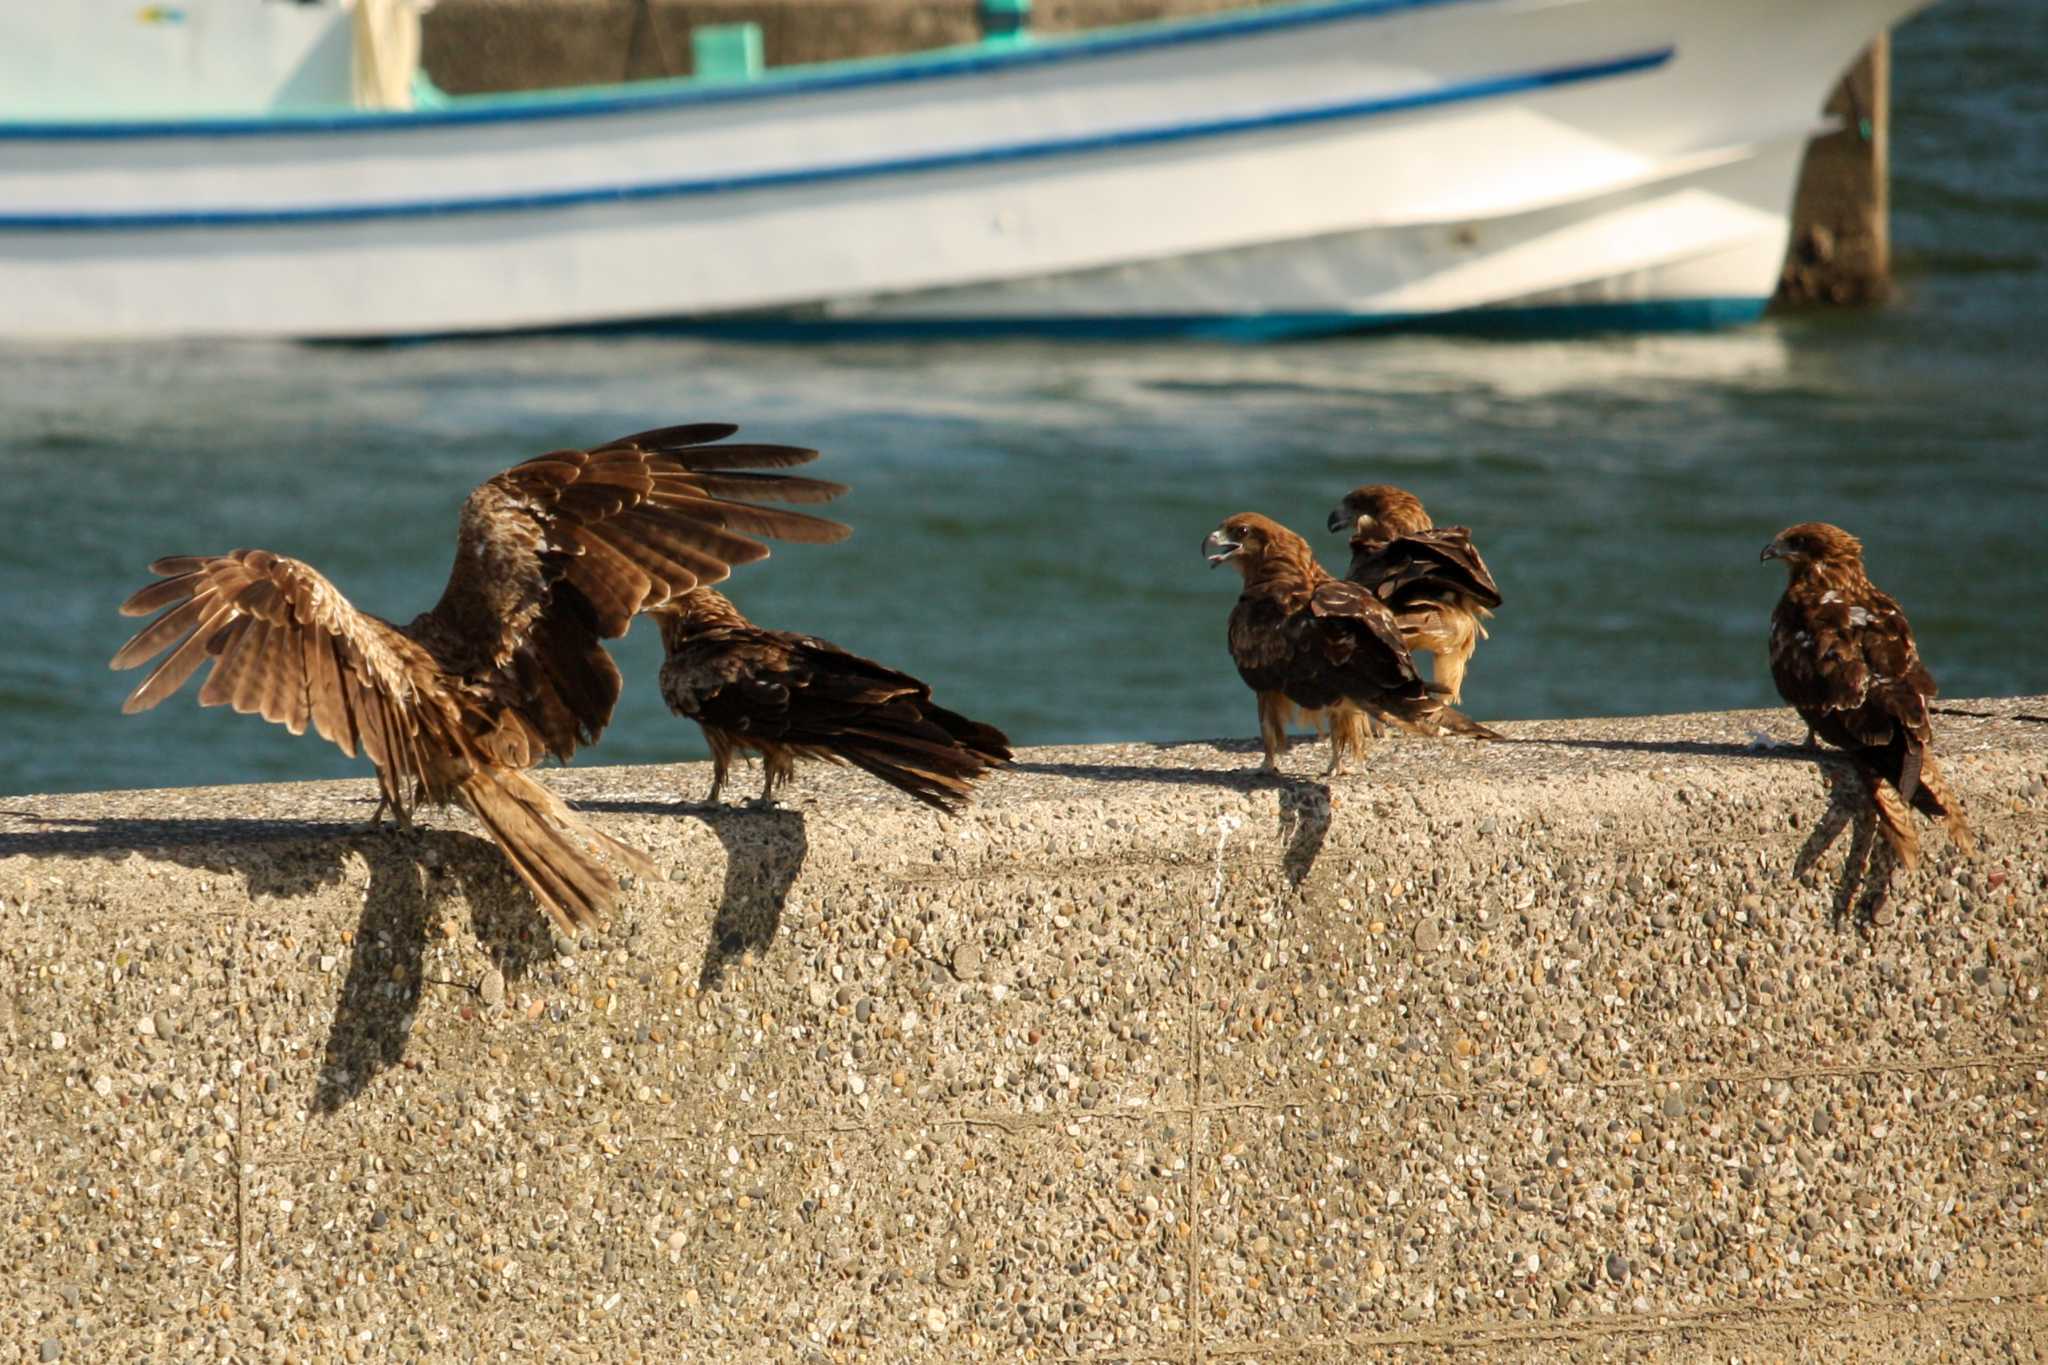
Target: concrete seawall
column 1567, row 1046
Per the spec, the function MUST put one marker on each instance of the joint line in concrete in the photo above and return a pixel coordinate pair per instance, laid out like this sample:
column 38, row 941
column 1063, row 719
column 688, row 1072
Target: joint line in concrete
column 1226, row 823
column 1297, row 1099
column 1734, row 1318
column 1008, row 1123
column 1479, row 1334
column 238, row 997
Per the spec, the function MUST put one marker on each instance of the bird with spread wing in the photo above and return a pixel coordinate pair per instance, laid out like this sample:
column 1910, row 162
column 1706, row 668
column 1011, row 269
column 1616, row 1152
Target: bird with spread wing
column 1306, row 641
column 1843, row 655
column 1432, row 577
column 553, row 557
column 787, row 697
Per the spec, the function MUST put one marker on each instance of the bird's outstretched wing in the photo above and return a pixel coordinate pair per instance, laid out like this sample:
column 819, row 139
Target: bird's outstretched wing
column 561, row 551
column 286, row 645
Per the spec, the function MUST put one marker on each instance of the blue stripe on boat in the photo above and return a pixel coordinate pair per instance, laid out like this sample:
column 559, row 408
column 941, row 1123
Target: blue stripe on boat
column 772, row 85
column 1536, row 320
column 1490, row 88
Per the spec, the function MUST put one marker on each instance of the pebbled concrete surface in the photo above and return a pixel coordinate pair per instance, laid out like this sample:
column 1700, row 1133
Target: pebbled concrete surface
column 1593, row 1044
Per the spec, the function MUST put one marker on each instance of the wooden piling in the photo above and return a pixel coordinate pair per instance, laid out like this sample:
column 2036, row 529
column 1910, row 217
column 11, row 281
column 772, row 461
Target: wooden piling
column 1840, row 248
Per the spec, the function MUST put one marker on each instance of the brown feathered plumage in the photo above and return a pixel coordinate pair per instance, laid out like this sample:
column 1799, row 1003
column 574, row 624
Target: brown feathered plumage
column 1433, row 578
column 1843, row 656
column 787, row 697
column 552, row 557
column 1304, row 640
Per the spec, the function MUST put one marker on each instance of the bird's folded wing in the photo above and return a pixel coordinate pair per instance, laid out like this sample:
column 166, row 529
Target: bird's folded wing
column 817, row 698
column 874, row 683
column 1453, row 559
column 1363, row 618
column 286, row 645
column 768, row 684
column 1426, row 562
column 1856, row 659
column 1259, row 642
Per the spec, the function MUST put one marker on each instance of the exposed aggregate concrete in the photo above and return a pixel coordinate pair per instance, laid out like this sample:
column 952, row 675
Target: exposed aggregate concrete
column 1585, row 1045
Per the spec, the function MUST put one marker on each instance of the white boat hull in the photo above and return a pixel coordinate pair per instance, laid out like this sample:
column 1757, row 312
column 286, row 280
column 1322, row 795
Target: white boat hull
column 1281, row 171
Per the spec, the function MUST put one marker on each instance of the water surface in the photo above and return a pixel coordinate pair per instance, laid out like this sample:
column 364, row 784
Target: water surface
column 1029, row 515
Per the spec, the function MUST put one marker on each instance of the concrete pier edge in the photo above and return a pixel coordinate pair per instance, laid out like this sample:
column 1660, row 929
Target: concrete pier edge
column 1575, row 1045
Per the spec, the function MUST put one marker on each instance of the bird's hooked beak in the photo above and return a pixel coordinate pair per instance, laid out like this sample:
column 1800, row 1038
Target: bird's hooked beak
column 1775, row 550
column 1219, row 547
column 1341, row 520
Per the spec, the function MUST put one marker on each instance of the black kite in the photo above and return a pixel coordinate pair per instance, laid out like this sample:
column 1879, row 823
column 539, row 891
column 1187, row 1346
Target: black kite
column 787, row 697
column 1843, row 656
column 1305, row 640
column 552, row 557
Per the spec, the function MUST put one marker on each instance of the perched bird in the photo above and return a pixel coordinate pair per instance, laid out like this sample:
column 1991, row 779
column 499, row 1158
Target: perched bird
column 1432, row 577
column 1843, row 656
column 1305, row 640
column 552, row 557
column 787, row 697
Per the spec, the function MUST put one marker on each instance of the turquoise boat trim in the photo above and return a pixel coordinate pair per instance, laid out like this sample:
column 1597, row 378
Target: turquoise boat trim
column 1702, row 314
column 776, row 83
column 1086, row 144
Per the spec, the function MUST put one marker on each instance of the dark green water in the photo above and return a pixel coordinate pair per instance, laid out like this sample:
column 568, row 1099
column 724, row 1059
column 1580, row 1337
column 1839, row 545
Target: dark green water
column 1028, row 516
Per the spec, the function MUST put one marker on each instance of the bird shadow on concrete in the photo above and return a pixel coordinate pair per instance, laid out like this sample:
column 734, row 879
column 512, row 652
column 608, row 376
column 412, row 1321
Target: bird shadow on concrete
column 1243, row 779
column 1699, row 747
column 2021, row 716
column 313, row 857
column 410, row 872
column 1305, row 823
column 765, row 848
column 380, row 992
column 1304, row 801
column 758, row 876
column 1250, row 777
column 386, row 978
column 1867, row 870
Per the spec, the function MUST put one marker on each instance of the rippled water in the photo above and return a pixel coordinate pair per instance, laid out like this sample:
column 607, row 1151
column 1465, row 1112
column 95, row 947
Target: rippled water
column 1029, row 516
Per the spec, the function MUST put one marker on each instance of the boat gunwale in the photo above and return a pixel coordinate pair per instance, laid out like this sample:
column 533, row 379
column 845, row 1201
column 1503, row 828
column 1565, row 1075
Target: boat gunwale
column 1538, row 80
column 590, row 101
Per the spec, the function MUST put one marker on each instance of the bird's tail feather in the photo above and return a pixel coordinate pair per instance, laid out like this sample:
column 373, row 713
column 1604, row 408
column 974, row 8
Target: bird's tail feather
column 1431, row 715
column 1931, row 796
column 991, row 744
column 1894, row 822
column 924, row 756
column 560, row 856
column 1455, row 722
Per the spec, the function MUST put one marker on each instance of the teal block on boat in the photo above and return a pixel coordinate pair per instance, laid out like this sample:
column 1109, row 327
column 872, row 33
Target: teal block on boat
column 1005, row 20
column 726, row 52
